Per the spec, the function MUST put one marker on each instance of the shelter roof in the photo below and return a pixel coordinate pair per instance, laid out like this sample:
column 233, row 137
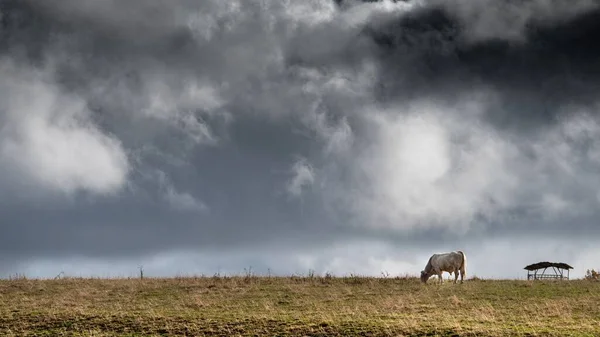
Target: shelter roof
column 546, row 264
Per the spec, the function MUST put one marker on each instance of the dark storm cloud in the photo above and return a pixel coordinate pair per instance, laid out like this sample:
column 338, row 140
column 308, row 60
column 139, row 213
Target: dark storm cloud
column 538, row 60
column 140, row 127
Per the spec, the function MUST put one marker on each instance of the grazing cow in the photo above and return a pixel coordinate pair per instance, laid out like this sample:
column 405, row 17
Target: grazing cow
column 452, row 262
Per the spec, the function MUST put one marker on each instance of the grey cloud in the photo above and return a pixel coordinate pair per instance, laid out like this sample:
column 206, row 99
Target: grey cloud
column 302, row 176
column 418, row 122
column 368, row 258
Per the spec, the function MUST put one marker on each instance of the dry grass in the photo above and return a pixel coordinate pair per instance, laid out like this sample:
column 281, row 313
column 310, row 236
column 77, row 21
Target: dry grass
column 311, row 306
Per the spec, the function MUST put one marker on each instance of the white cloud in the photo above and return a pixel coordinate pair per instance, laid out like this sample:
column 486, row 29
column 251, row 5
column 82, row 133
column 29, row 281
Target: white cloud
column 184, row 201
column 439, row 166
column 177, row 200
column 303, row 176
column 310, row 11
column 426, row 168
column 183, row 108
column 49, row 141
column 368, row 258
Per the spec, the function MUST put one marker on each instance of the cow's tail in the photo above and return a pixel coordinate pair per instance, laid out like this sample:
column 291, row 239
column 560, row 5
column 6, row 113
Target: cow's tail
column 463, row 264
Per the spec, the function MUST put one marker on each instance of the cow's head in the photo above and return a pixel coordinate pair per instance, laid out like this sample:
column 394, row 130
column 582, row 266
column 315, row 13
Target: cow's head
column 424, row 276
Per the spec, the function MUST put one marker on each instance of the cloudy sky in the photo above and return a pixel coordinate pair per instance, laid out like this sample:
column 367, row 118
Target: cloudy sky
column 280, row 135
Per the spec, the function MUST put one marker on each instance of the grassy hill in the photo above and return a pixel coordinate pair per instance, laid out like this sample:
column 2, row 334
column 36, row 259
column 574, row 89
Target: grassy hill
column 295, row 306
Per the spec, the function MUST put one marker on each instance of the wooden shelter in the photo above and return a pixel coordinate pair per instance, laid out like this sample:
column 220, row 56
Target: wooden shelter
column 549, row 270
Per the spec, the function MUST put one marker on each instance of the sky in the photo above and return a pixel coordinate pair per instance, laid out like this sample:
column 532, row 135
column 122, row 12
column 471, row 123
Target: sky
column 282, row 137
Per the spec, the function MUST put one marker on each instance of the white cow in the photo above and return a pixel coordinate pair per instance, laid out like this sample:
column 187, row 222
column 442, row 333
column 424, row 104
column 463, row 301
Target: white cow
column 452, row 262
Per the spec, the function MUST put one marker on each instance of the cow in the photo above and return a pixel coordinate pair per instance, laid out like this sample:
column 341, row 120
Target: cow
column 451, row 262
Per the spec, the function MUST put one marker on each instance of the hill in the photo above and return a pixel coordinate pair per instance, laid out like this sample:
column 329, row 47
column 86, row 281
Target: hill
column 297, row 306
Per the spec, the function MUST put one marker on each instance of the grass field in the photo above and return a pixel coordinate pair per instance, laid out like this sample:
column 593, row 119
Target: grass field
column 297, row 306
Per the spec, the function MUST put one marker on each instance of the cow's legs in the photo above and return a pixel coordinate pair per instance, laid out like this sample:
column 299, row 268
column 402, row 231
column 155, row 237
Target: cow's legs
column 455, row 276
column 462, row 275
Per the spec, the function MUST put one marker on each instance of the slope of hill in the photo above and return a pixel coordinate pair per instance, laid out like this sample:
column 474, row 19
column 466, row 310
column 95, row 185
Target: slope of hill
column 298, row 306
